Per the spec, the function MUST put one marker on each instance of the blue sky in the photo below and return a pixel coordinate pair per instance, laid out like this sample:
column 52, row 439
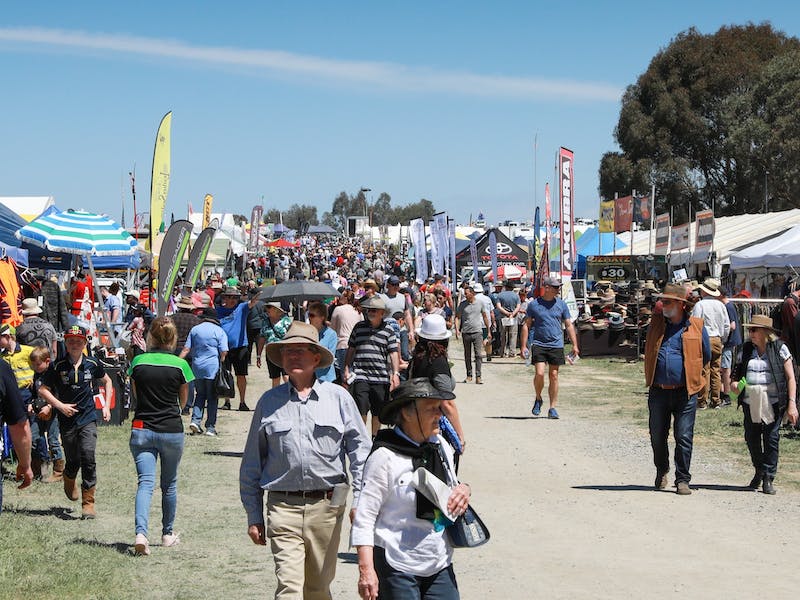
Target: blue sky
column 297, row 102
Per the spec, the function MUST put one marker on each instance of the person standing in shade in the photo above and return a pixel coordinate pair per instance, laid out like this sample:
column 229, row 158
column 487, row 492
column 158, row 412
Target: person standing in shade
column 546, row 314
column 275, row 327
column 676, row 350
column 729, row 349
column 472, row 320
column 317, row 312
column 160, row 387
column 768, row 396
column 300, row 435
column 718, row 324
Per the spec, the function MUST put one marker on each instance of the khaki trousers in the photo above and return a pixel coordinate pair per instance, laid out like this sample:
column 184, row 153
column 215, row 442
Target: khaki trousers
column 711, row 374
column 304, row 537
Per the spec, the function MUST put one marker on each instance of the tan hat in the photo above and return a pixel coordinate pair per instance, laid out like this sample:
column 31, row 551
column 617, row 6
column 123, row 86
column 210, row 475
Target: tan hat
column 710, row 286
column 30, row 307
column 370, row 283
column 373, row 302
column 205, row 300
column 674, row 291
column 299, row 333
column 761, row 322
column 186, row 302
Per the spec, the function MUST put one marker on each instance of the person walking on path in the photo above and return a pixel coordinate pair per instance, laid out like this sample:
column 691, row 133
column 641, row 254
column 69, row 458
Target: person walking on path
column 14, row 414
column 207, row 345
column 769, row 394
column 546, row 314
column 373, row 346
column 160, row 385
column 472, row 320
column 729, row 349
column 69, row 388
column 275, row 326
column 676, row 350
column 718, row 324
column 508, row 307
column 299, row 437
column 232, row 316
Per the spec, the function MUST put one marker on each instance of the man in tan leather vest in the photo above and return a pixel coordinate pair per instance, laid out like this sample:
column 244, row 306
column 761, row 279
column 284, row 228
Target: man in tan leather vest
column 677, row 348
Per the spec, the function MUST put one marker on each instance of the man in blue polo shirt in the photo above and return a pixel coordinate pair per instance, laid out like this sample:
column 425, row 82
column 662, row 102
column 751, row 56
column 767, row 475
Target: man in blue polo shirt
column 546, row 314
column 232, row 316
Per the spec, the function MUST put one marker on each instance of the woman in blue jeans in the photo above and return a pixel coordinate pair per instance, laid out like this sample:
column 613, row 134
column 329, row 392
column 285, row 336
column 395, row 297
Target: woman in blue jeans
column 160, row 386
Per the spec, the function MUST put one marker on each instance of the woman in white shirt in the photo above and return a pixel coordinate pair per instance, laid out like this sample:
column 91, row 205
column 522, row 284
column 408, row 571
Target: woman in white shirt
column 768, row 395
column 403, row 549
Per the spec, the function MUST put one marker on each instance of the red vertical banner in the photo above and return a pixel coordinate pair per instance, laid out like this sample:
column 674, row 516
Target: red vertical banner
column 623, row 214
column 548, row 224
column 566, row 190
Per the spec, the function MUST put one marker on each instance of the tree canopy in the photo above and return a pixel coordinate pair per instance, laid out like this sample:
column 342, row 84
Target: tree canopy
column 381, row 211
column 713, row 121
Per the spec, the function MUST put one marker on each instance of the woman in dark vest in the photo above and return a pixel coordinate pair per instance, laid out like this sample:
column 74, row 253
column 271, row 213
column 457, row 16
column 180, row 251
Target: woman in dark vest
column 766, row 396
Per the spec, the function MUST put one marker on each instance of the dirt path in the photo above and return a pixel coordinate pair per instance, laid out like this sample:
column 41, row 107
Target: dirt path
column 573, row 514
column 571, row 508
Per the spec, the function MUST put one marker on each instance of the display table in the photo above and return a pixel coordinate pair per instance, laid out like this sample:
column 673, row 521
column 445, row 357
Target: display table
column 606, row 342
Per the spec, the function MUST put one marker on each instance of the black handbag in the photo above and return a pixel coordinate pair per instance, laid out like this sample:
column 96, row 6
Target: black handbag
column 224, row 382
column 468, row 531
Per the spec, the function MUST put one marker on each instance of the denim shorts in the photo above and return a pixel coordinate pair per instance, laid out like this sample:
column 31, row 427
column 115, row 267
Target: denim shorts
column 726, row 362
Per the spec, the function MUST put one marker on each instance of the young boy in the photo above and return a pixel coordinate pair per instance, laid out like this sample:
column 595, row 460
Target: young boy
column 40, row 363
column 72, row 380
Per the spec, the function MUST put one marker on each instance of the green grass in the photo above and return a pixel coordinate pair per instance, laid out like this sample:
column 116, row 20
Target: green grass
column 48, row 552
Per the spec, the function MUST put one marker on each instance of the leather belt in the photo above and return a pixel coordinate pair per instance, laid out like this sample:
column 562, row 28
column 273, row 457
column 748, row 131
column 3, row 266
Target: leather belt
column 668, row 387
column 306, row 494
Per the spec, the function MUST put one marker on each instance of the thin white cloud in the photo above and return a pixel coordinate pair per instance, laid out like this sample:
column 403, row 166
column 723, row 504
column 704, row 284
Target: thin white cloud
column 385, row 75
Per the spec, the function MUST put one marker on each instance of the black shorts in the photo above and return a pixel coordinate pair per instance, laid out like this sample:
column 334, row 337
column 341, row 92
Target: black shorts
column 551, row 356
column 370, row 397
column 238, row 359
column 274, row 370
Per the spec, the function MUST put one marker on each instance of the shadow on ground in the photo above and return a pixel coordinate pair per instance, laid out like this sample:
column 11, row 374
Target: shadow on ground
column 226, row 453
column 120, row 547
column 350, row 558
column 59, row 512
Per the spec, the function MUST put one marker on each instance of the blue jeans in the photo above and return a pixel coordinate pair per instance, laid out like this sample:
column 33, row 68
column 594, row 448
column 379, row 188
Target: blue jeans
column 675, row 404
column 394, row 585
column 146, row 447
column 38, row 439
column 341, row 353
column 205, row 392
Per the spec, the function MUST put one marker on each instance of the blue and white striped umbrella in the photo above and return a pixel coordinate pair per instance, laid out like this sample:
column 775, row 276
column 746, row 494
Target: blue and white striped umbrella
column 78, row 232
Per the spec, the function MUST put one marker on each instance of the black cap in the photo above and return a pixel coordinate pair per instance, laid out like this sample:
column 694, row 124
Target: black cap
column 407, row 392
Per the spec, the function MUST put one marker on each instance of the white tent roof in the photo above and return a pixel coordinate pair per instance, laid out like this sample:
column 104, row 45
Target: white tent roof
column 778, row 252
column 28, row 207
column 731, row 233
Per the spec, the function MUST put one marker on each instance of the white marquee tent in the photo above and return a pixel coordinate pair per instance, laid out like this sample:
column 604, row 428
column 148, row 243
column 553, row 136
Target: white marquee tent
column 778, row 252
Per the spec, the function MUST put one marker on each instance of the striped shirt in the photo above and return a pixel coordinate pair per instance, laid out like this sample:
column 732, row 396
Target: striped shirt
column 372, row 349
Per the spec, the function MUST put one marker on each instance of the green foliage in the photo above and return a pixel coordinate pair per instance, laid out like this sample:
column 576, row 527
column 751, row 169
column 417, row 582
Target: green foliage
column 710, row 116
column 381, row 211
column 294, row 216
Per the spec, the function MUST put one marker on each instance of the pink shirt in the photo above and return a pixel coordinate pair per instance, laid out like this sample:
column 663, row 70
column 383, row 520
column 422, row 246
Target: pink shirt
column 343, row 320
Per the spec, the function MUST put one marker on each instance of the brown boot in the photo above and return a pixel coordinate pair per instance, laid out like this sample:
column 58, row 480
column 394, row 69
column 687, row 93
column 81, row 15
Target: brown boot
column 87, row 504
column 70, row 488
column 58, row 471
column 36, row 467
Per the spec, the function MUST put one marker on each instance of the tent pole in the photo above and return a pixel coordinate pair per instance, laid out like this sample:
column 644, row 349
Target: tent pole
column 106, row 318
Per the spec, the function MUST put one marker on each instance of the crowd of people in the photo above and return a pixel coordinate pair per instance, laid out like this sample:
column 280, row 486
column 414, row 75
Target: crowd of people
column 374, row 354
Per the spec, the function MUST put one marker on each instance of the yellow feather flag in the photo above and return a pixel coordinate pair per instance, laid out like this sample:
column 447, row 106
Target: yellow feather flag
column 159, row 182
column 207, row 201
column 606, row 221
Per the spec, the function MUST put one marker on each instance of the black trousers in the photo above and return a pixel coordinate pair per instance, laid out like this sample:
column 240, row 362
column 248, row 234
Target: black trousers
column 79, row 445
column 763, row 441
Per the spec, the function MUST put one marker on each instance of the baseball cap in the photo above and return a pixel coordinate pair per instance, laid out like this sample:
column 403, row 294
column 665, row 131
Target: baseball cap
column 551, row 281
column 75, row 331
column 394, row 280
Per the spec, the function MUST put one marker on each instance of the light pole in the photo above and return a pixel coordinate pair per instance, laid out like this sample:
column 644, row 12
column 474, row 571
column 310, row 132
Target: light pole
column 766, row 190
column 364, row 191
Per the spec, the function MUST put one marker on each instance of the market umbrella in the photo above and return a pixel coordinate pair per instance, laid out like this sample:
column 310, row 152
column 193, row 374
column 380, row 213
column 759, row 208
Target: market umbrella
column 297, row 291
column 80, row 233
column 507, row 272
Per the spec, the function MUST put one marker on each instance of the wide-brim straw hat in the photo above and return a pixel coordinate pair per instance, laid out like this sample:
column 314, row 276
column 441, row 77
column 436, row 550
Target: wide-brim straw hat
column 299, row 333
column 674, row 291
column 710, row 286
column 409, row 391
column 373, row 302
column 370, row 283
column 761, row 322
column 186, row 302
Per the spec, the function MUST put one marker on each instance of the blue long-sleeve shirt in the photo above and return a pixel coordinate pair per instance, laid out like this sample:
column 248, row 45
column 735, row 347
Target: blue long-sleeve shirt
column 669, row 364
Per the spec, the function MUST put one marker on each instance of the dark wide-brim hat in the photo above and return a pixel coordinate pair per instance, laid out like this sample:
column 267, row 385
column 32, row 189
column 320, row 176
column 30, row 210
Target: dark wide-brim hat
column 409, row 391
column 299, row 333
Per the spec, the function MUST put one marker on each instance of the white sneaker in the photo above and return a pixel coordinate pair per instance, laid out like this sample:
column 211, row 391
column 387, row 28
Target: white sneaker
column 141, row 547
column 195, row 428
column 170, row 539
